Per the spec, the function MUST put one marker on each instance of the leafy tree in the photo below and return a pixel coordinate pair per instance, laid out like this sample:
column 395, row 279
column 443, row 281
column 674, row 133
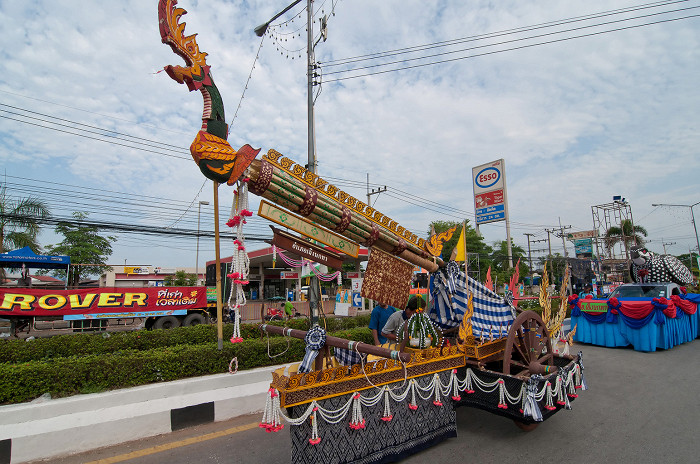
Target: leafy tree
column 626, row 234
column 19, row 222
column 88, row 251
column 474, row 242
column 180, row 279
column 499, row 261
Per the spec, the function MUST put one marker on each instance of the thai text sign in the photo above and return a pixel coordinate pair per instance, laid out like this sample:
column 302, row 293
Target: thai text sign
column 306, row 249
column 34, row 302
column 289, row 275
column 307, row 228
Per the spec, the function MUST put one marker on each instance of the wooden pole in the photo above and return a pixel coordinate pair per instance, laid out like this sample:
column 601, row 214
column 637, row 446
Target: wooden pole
column 340, row 343
column 219, row 311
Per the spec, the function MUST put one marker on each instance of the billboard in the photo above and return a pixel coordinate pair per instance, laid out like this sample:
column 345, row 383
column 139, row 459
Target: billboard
column 489, row 184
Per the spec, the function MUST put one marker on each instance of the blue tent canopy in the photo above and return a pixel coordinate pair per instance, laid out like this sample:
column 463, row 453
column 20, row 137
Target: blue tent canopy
column 30, row 259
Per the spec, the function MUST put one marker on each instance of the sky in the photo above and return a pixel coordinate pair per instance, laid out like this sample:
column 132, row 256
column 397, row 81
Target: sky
column 583, row 101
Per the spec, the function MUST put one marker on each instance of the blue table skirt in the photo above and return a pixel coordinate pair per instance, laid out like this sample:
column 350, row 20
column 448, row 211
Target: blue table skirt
column 681, row 329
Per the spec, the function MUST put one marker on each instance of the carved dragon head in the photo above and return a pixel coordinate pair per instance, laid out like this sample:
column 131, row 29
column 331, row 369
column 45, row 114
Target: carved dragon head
column 196, row 74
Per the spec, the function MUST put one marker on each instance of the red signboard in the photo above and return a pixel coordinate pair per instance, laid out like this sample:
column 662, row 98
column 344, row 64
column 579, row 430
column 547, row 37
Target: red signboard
column 352, row 275
column 289, row 275
column 34, row 302
column 494, row 197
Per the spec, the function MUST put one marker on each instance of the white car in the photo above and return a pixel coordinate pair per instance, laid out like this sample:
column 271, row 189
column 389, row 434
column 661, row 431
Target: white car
column 647, row 290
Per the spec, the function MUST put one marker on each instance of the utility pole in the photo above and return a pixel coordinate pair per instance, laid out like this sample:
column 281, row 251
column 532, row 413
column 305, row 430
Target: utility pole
column 314, row 288
column 529, row 256
column 666, row 243
column 376, row 191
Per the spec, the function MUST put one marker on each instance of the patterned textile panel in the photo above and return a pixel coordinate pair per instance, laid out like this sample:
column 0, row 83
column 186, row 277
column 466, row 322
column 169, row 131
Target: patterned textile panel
column 492, row 314
column 380, row 441
column 488, row 401
column 387, row 279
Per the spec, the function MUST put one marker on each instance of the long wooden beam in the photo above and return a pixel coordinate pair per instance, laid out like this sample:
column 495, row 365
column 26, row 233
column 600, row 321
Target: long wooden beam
column 340, row 343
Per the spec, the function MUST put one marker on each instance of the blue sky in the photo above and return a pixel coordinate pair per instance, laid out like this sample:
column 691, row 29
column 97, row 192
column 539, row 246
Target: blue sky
column 577, row 121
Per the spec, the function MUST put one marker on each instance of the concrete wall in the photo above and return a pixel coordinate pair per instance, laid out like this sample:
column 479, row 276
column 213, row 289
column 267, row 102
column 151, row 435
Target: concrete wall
column 52, row 428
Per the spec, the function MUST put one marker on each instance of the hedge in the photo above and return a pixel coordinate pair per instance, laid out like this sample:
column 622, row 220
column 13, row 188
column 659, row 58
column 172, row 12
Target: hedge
column 60, row 346
column 123, row 368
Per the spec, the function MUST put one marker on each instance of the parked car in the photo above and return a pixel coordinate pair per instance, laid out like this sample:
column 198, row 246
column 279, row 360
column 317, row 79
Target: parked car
column 647, row 290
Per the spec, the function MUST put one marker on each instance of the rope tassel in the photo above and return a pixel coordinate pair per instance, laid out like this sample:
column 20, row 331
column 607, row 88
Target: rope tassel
column 532, row 409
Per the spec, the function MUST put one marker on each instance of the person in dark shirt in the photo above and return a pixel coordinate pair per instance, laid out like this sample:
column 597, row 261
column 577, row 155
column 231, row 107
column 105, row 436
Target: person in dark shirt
column 380, row 314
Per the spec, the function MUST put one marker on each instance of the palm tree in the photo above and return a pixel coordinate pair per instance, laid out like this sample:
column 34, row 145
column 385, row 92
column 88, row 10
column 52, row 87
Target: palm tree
column 626, row 234
column 19, row 221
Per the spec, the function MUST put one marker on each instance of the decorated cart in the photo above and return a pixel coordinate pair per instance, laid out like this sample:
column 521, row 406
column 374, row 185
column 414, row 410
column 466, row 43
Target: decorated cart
column 363, row 403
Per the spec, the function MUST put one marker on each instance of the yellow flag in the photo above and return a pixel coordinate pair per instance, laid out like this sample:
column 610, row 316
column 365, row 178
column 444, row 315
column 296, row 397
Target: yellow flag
column 460, row 247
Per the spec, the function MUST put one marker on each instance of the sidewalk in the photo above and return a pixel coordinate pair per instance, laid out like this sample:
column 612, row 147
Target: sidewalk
column 51, row 428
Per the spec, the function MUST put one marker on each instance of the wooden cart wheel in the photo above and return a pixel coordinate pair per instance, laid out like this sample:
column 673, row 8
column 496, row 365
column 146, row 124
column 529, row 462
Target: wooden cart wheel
column 528, row 348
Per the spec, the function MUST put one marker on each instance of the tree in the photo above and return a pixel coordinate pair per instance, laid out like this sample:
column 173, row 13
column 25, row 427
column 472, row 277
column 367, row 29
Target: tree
column 475, row 243
column 626, row 234
column 180, row 279
column 499, row 261
column 19, row 222
column 88, row 250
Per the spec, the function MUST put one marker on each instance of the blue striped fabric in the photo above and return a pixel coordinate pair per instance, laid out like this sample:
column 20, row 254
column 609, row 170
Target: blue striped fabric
column 492, row 314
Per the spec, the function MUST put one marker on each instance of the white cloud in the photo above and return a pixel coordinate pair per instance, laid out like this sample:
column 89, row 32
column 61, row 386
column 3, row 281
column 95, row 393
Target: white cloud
column 577, row 121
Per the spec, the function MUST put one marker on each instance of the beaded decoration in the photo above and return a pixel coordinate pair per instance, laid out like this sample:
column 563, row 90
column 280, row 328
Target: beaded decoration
column 240, row 261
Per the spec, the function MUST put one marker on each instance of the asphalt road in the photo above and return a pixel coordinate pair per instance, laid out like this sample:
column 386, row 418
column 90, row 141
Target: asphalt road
column 640, row 408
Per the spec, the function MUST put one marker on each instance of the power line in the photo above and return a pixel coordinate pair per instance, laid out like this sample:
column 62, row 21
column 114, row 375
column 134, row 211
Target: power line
column 491, row 52
column 473, row 38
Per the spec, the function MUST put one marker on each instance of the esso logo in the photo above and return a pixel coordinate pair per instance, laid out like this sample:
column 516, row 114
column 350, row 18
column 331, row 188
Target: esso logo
column 487, row 177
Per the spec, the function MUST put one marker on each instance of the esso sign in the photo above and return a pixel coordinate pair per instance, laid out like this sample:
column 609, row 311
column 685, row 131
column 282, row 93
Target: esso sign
column 487, row 177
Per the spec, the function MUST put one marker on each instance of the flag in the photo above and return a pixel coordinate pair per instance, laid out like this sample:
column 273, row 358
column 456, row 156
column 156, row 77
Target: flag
column 492, row 315
column 460, row 247
column 489, row 282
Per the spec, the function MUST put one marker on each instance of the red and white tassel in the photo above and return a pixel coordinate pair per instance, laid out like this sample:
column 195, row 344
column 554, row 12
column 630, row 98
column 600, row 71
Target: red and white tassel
column 271, row 415
column 240, row 261
column 413, row 405
column 315, row 439
column 387, row 416
column 455, row 387
column 501, row 394
column 357, row 422
column 549, row 403
column 436, row 390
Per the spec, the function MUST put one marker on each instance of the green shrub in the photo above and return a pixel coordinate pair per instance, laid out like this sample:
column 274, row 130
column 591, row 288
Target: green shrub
column 84, row 344
column 144, row 362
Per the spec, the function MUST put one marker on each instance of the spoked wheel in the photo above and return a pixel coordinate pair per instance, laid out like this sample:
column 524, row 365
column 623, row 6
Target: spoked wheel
column 528, row 348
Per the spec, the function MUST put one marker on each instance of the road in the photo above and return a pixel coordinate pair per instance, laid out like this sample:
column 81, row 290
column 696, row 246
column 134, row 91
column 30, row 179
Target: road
column 640, row 408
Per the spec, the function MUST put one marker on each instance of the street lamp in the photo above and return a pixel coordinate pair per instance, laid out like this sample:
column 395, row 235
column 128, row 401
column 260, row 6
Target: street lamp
column 196, row 266
column 692, row 218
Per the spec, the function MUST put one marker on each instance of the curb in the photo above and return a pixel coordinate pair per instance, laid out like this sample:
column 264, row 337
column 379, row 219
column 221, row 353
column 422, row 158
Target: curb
column 53, row 428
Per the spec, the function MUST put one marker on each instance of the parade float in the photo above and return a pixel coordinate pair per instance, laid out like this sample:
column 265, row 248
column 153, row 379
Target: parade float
column 655, row 312
column 361, row 403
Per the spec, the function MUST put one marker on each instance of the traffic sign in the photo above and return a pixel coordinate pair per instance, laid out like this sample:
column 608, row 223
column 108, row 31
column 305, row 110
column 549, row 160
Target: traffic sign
column 356, row 300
